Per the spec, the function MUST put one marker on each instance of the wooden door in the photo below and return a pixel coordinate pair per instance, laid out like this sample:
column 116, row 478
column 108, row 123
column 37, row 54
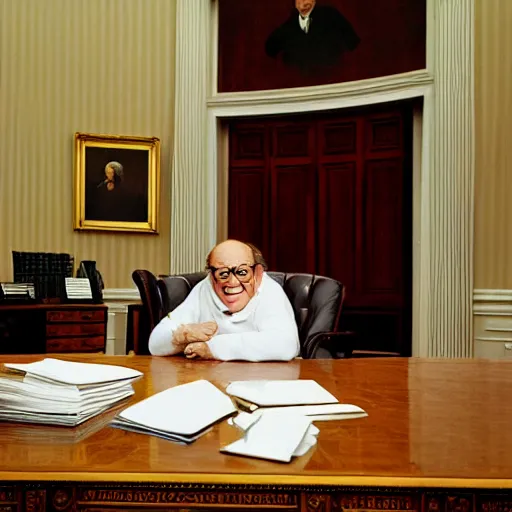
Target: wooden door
column 249, row 185
column 365, row 223
column 332, row 195
column 293, row 197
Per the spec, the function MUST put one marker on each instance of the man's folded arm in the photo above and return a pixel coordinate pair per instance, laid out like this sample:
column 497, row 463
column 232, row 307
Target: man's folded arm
column 160, row 340
column 276, row 340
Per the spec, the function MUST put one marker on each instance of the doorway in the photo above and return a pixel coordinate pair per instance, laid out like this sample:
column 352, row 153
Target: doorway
column 330, row 193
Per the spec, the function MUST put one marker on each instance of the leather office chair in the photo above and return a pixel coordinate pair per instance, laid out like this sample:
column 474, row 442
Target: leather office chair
column 316, row 301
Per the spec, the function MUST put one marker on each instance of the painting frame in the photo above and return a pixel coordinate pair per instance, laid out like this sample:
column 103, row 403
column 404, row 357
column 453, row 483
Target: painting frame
column 84, row 144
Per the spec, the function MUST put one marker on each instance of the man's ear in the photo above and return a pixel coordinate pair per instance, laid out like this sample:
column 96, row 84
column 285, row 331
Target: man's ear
column 258, row 274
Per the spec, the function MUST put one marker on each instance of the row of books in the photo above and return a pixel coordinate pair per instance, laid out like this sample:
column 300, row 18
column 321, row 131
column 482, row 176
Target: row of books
column 28, row 265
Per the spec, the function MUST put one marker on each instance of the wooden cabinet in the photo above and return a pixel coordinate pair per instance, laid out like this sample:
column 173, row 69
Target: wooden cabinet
column 331, row 194
column 52, row 328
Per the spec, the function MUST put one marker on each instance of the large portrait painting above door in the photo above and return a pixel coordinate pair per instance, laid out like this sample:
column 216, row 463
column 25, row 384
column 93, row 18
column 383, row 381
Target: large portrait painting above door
column 277, row 44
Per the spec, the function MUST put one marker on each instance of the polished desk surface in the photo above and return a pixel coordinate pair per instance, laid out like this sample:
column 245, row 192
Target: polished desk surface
column 431, row 423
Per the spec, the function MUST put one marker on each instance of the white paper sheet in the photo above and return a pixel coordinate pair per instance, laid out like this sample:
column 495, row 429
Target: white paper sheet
column 281, row 392
column 78, row 374
column 317, row 411
column 276, row 438
column 186, row 409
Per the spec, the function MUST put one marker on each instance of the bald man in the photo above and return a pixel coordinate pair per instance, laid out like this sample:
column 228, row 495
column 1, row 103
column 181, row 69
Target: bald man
column 237, row 312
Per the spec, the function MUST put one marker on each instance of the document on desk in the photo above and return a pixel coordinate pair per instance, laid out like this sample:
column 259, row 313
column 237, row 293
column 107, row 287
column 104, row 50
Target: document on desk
column 326, row 412
column 276, row 438
column 181, row 413
column 270, row 393
column 74, row 373
column 64, row 393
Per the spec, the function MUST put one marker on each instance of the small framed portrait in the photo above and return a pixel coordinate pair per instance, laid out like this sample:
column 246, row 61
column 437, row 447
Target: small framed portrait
column 116, row 183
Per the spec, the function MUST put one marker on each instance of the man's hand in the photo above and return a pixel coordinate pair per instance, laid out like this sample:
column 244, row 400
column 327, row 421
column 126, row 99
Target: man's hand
column 191, row 333
column 198, row 350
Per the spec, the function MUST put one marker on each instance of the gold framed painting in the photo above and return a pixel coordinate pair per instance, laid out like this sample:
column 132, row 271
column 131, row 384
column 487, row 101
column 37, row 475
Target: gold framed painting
column 117, row 182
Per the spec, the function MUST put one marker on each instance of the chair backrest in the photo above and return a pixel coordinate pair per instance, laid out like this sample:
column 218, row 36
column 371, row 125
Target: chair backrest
column 316, row 300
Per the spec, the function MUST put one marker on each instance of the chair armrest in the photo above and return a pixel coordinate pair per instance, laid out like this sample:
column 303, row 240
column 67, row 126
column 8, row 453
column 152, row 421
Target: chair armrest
column 329, row 345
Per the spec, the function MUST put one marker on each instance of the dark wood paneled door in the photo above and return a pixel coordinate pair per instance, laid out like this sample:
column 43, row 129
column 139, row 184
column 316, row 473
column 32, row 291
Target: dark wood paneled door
column 332, row 195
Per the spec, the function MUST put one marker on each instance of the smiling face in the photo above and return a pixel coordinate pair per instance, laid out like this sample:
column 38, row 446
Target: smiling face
column 304, row 6
column 236, row 278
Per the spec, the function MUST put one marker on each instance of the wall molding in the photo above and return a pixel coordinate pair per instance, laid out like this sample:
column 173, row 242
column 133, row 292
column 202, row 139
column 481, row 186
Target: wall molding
column 488, row 302
column 121, row 294
column 368, row 87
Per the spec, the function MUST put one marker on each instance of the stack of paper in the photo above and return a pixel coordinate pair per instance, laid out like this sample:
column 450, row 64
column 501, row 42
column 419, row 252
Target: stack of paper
column 26, row 433
column 181, row 413
column 285, row 397
column 56, row 392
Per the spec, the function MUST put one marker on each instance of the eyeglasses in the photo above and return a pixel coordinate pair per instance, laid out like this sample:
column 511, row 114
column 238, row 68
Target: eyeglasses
column 243, row 273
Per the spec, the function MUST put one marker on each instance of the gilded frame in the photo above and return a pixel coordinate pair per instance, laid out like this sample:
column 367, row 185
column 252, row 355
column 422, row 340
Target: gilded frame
column 107, row 148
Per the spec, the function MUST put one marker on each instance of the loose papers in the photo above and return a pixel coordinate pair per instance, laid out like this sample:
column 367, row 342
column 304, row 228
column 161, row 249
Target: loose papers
column 181, row 413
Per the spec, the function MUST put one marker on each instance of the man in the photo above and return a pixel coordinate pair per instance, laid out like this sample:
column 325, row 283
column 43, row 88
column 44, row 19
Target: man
column 312, row 38
column 237, row 312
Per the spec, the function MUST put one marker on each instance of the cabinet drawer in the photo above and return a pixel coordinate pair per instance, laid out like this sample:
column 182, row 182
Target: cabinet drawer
column 93, row 344
column 76, row 316
column 74, row 329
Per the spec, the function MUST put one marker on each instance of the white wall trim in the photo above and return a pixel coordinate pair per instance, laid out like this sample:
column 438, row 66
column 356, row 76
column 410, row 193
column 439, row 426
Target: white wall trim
column 117, row 300
column 405, row 89
column 492, row 302
column 121, row 294
column 492, row 317
column 361, row 88
column 489, row 295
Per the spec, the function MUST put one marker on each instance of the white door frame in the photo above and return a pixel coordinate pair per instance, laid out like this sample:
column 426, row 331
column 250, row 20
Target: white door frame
column 444, row 172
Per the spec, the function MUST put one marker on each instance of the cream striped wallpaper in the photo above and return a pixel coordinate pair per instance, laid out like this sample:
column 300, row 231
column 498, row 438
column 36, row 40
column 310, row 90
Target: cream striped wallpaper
column 493, row 131
column 101, row 66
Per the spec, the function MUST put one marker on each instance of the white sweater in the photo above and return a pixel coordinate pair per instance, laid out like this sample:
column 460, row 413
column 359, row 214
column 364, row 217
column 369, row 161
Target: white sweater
column 265, row 330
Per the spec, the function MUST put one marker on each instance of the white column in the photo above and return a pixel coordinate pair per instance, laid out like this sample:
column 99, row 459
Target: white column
column 190, row 198
column 447, row 218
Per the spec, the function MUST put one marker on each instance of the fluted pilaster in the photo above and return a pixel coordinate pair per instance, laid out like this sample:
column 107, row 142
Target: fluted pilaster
column 450, row 182
column 189, row 192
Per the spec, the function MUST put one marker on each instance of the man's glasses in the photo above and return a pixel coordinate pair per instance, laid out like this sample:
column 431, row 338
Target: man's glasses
column 243, row 273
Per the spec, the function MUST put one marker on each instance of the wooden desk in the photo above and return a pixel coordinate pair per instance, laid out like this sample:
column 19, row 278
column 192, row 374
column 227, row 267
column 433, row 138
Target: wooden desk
column 438, row 438
column 52, row 328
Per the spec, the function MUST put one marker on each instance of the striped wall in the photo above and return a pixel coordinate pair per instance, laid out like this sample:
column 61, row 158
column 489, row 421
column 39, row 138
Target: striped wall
column 102, row 66
column 493, row 116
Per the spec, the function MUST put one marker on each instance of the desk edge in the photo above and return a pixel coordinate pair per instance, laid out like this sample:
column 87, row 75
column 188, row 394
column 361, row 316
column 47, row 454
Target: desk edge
column 264, row 480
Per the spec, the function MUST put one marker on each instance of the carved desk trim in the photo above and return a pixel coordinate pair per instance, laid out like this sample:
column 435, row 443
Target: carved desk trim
column 67, row 496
